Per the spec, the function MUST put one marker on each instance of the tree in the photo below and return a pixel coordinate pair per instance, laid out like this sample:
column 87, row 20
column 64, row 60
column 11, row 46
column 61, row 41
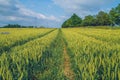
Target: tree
column 115, row 15
column 89, row 21
column 16, row 26
column 103, row 19
column 74, row 21
column 12, row 26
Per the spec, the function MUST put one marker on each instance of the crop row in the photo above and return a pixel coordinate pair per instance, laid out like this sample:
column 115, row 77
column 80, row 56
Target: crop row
column 92, row 58
column 108, row 35
column 19, row 37
column 18, row 64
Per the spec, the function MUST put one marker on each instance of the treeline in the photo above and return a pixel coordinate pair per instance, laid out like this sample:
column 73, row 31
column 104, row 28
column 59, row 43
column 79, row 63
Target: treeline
column 20, row 26
column 112, row 18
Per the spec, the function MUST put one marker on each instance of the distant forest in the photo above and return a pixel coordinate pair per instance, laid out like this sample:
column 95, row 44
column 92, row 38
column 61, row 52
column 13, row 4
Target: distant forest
column 112, row 18
column 20, row 26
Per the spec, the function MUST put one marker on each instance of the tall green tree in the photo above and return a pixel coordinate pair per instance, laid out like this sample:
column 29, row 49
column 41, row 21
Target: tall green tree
column 89, row 21
column 103, row 19
column 115, row 15
column 74, row 21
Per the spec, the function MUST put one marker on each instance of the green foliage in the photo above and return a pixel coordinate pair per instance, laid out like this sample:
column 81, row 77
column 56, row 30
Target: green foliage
column 103, row 19
column 20, row 26
column 115, row 15
column 14, row 26
column 89, row 21
column 74, row 21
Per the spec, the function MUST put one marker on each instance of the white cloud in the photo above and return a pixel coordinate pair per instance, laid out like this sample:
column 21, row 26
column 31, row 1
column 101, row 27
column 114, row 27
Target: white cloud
column 12, row 11
column 63, row 17
column 4, row 2
column 16, row 18
column 75, row 4
column 82, row 7
column 27, row 12
column 37, row 15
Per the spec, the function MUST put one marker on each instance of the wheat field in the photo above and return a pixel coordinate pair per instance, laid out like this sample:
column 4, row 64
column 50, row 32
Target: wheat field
column 59, row 54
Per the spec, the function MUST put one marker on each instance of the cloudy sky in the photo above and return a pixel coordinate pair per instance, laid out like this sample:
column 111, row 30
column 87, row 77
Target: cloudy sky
column 49, row 13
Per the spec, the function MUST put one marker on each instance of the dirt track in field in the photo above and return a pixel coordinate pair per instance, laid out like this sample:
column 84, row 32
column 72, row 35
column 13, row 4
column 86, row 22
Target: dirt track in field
column 67, row 66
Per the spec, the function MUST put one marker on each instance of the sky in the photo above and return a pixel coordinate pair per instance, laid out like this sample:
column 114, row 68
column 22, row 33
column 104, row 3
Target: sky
column 49, row 13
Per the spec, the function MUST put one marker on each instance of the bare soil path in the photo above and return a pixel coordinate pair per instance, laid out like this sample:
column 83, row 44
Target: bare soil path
column 67, row 66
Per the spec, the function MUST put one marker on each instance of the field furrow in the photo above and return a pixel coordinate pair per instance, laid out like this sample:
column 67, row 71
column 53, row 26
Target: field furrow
column 67, row 65
column 60, row 54
column 18, row 64
column 91, row 58
column 20, row 40
column 110, row 36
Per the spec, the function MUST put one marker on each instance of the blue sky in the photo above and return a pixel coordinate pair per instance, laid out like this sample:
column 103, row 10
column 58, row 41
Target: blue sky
column 49, row 13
